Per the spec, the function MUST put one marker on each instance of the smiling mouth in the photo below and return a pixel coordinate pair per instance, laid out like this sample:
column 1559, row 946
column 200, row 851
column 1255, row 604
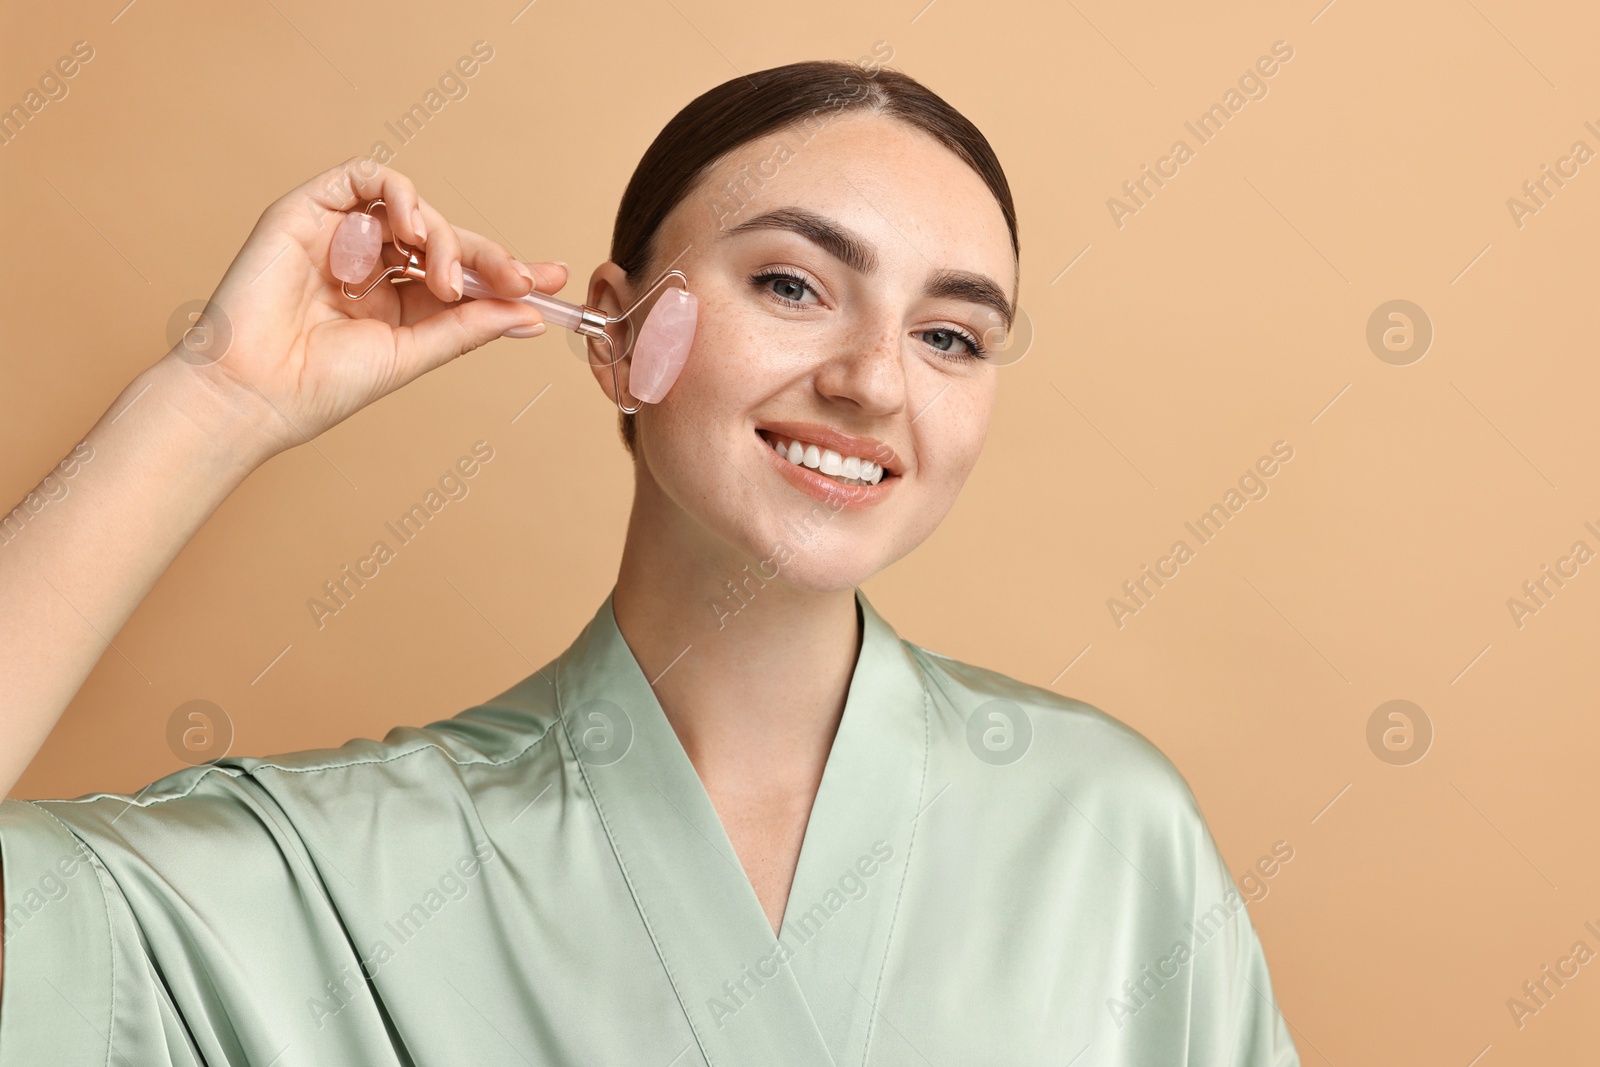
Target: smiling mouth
column 846, row 470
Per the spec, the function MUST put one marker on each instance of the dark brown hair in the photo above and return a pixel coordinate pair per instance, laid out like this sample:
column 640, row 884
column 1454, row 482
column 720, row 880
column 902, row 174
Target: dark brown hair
column 804, row 95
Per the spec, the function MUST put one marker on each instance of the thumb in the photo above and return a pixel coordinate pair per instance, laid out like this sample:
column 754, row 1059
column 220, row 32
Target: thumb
column 456, row 330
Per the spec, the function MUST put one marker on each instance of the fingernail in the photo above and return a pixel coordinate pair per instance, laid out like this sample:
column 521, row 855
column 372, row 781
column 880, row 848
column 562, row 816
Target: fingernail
column 563, row 265
column 527, row 272
column 455, row 279
column 525, row 331
column 416, row 223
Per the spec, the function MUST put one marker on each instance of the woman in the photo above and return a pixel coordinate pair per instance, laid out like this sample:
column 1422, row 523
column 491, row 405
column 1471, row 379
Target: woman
column 738, row 821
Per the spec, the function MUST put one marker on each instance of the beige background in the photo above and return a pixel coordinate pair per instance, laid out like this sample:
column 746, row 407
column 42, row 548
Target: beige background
column 1229, row 313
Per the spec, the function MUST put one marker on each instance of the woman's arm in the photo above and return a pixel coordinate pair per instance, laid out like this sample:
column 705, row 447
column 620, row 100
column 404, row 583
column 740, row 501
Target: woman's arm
column 166, row 452
column 80, row 553
column 145, row 477
column 289, row 357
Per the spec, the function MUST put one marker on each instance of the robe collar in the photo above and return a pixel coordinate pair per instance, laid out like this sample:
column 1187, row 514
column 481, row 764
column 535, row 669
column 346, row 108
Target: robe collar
column 807, row 996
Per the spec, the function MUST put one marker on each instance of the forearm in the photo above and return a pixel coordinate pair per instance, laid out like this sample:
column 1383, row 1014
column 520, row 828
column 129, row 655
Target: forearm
column 80, row 553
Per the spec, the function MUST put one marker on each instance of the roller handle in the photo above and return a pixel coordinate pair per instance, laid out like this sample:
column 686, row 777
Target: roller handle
column 556, row 311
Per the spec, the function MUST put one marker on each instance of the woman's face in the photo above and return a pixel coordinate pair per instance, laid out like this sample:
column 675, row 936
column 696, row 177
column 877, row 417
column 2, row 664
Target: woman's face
column 842, row 284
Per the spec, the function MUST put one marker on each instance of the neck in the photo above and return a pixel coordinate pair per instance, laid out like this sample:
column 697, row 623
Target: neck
column 753, row 679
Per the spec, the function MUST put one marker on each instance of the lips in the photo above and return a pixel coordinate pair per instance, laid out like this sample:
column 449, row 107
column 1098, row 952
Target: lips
column 846, row 470
column 846, row 444
column 839, row 490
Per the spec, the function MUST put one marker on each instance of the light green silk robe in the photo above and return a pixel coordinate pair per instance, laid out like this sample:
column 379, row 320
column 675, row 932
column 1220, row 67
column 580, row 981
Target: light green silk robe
column 991, row 874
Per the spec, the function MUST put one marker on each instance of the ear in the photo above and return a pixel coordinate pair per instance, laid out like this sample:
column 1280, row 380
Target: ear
column 609, row 292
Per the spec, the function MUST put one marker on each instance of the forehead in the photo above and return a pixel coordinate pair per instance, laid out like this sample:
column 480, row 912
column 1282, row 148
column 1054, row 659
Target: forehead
column 918, row 202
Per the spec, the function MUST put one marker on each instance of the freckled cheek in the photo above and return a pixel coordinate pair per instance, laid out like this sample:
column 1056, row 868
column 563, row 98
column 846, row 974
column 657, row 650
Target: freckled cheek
column 941, row 466
column 949, row 448
column 733, row 364
column 708, row 373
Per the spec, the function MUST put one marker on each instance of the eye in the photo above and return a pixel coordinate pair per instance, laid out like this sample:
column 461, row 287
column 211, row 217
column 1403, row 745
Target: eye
column 944, row 338
column 790, row 289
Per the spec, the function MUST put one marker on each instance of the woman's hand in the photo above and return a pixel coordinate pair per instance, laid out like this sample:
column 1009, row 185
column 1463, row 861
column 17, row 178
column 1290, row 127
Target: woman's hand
column 290, row 355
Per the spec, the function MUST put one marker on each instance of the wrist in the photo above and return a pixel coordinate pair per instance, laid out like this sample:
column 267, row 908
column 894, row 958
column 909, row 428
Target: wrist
column 217, row 429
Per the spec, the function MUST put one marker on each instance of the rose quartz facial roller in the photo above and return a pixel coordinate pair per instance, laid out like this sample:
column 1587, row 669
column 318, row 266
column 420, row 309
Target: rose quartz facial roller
column 659, row 350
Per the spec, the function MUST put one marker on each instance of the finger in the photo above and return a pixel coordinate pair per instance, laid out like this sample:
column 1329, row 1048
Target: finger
column 456, row 330
column 348, row 187
column 401, row 201
column 507, row 274
column 496, row 265
column 547, row 277
column 551, row 276
column 443, row 255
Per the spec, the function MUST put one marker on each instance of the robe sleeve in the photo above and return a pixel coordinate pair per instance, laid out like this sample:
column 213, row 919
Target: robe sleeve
column 1237, row 1021
column 187, row 925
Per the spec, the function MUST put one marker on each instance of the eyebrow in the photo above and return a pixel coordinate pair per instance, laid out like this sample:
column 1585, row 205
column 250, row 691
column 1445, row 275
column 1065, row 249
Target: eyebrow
column 859, row 255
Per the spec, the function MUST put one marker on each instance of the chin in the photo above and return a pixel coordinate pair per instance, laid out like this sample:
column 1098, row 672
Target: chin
column 819, row 561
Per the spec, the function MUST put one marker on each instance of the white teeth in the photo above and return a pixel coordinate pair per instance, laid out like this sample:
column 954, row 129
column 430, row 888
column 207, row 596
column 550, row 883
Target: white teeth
column 851, row 470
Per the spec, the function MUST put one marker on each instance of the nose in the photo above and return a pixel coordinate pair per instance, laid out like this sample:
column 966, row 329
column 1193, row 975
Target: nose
column 867, row 369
